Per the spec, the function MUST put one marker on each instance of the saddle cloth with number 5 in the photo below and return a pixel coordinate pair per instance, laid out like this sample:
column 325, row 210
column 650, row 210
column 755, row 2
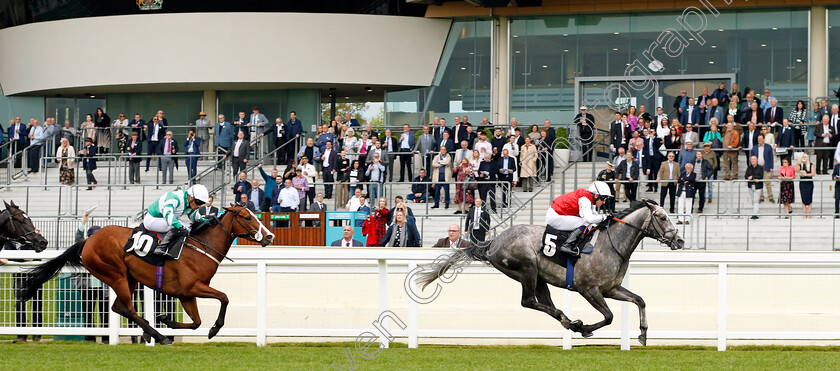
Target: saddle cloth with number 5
column 142, row 244
column 553, row 238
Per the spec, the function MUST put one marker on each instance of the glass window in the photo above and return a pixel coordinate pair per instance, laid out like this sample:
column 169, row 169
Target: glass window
column 462, row 83
column 764, row 48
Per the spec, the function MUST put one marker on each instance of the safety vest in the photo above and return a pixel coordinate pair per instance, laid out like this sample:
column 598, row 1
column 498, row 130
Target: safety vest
column 567, row 204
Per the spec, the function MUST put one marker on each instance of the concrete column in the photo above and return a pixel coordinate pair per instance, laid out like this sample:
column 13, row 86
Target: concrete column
column 208, row 104
column 500, row 106
column 818, row 53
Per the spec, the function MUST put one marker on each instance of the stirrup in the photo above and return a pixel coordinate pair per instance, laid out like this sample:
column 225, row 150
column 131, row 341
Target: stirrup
column 571, row 250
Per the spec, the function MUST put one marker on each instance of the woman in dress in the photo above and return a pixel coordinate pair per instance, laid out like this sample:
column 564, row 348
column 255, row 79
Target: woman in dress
column 122, row 132
column 88, row 128
column 67, row 162
column 799, row 119
column 663, row 129
column 103, row 126
column 787, row 196
column 528, row 165
column 349, row 144
column 672, row 141
column 632, row 118
column 806, row 185
column 463, row 173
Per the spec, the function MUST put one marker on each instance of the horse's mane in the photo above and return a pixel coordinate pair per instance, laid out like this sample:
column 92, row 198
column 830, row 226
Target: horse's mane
column 635, row 205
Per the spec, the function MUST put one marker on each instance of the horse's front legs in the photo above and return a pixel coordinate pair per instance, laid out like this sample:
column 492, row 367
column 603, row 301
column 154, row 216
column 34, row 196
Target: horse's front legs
column 620, row 293
column 202, row 290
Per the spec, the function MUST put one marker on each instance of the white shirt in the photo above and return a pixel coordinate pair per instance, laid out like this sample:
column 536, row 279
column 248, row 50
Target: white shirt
column 354, row 204
column 404, row 141
column 346, row 243
column 477, row 218
column 690, row 108
column 289, row 197
column 309, row 172
column 670, row 171
column 254, row 196
column 236, row 148
column 825, row 131
column 327, row 158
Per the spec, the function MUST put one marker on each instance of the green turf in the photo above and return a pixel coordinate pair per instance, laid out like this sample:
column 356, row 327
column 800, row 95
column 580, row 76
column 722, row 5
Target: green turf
column 319, row 356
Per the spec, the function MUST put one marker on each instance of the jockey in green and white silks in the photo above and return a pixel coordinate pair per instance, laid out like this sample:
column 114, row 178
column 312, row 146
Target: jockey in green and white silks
column 164, row 215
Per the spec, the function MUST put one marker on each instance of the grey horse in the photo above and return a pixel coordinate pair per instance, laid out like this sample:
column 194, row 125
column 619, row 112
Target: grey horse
column 516, row 253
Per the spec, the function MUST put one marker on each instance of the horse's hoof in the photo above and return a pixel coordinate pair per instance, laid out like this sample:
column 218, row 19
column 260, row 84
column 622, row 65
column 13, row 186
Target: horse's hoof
column 165, row 341
column 586, row 334
column 147, row 337
column 577, row 322
column 643, row 340
column 213, row 331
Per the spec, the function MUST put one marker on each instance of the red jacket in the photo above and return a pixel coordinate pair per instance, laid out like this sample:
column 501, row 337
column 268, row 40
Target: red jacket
column 567, row 204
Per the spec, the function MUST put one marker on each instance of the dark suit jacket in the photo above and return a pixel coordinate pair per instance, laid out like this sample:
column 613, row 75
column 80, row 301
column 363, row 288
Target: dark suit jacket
column 746, row 136
column 314, row 207
column 786, row 137
column 160, row 148
column 136, row 149
column 483, row 222
column 150, row 131
column 615, row 133
column 462, row 133
column 203, row 210
column 89, row 161
column 450, row 146
column 436, row 131
column 244, row 150
column 471, row 138
column 196, row 146
column 421, row 185
column 621, row 171
column 780, row 114
column 498, row 144
column 246, row 188
column 395, row 144
column 511, row 166
column 411, row 240
column 490, row 169
column 444, row 242
column 657, row 156
column 707, row 170
column 695, row 116
column 22, row 136
column 768, row 155
column 249, row 205
column 354, row 242
column 687, row 183
column 745, row 117
column 332, row 160
column 141, row 134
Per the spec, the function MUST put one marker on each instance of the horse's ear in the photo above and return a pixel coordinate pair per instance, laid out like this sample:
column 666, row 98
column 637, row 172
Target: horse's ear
column 13, row 203
column 6, row 203
column 650, row 203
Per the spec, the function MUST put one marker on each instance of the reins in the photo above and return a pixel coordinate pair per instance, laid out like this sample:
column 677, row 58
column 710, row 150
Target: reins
column 644, row 230
column 227, row 231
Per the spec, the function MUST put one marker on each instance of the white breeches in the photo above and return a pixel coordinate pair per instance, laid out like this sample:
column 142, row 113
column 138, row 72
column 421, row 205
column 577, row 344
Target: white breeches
column 155, row 224
column 563, row 222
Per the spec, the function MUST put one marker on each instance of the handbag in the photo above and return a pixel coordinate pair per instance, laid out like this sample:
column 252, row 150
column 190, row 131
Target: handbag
column 471, row 184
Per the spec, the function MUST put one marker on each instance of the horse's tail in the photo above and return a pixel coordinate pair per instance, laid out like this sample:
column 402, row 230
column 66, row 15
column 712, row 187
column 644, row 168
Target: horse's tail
column 36, row 277
column 440, row 266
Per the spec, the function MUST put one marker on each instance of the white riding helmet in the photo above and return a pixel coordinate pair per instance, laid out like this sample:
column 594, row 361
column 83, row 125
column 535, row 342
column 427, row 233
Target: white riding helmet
column 600, row 188
column 199, row 192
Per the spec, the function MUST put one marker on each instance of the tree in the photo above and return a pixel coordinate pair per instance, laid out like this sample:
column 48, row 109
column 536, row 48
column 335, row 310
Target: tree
column 354, row 109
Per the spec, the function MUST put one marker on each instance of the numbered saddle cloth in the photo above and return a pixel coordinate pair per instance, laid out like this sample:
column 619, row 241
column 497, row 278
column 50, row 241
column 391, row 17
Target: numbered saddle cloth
column 553, row 239
column 143, row 243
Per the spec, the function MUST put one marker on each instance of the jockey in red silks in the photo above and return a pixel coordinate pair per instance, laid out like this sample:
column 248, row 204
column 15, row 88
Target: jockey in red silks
column 575, row 210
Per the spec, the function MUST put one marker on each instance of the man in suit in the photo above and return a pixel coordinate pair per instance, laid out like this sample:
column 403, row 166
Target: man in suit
column 773, row 116
column 278, row 132
column 669, row 173
column 680, row 103
column 715, row 111
column 193, row 147
column 241, row 186
column 329, row 160
column 705, row 171
column 134, row 148
column 19, row 136
column 825, row 136
column 472, row 136
column 628, row 173
column 347, row 240
column 256, row 195
column 619, row 133
column 440, row 129
column 242, row 125
column 165, row 150
column 478, row 221
column 257, row 121
column 208, row 208
column 507, row 166
column 454, row 240
column 462, row 152
column 703, row 104
column 89, row 161
column 498, row 143
column 786, row 139
column 764, row 153
column 691, row 114
column 244, row 201
column 425, row 144
column 689, row 134
column 389, row 143
column 722, row 96
column 652, row 158
column 239, row 152
column 586, row 125
column 406, row 145
column 550, row 136
column 154, row 134
column 750, row 138
column 317, row 206
column 420, row 188
column 459, row 132
column 834, row 122
column 442, row 175
column 487, row 172
column 377, row 149
column 445, row 141
column 223, row 136
column 138, row 125
column 294, row 129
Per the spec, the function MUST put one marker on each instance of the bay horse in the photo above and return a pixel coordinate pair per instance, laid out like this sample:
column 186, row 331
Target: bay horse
column 187, row 278
column 516, row 253
column 16, row 226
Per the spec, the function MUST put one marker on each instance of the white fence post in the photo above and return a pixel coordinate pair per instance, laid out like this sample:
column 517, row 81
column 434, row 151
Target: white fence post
column 722, row 306
column 383, row 295
column 412, row 311
column 113, row 319
column 149, row 309
column 262, row 304
column 567, row 310
column 625, row 315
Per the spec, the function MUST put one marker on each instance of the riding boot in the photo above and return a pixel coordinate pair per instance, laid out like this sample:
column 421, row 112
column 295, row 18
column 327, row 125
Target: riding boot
column 570, row 246
column 171, row 244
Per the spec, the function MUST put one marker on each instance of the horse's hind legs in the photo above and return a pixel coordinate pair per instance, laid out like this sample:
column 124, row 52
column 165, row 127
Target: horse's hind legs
column 535, row 295
column 596, row 299
column 192, row 311
column 124, row 307
column 620, row 293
